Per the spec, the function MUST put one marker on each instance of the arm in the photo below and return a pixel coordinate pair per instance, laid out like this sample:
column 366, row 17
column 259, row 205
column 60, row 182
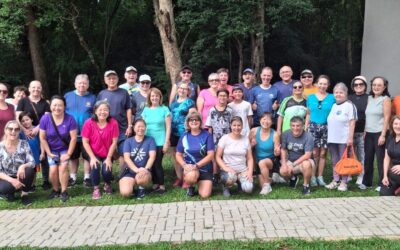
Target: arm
column 304, row 157
column 128, row 131
column 250, row 120
column 386, row 166
column 250, row 164
column 200, row 104
column 307, row 122
column 173, row 94
column 252, row 137
column 130, row 163
column 387, row 105
column 15, row 182
column 208, row 158
column 277, row 144
column 352, row 125
column 167, row 132
column 111, row 150
column 279, row 125
column 43, row 142
column 220, row 162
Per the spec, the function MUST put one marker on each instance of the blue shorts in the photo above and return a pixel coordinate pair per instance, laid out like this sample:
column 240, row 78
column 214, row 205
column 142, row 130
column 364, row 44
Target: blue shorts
column 55, row 161
column 120, row 143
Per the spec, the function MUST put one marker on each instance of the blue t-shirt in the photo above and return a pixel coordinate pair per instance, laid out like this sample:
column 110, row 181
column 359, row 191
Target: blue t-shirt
column 319, row 110
column 179, row 112
column 195, row 147
column 284, row 90
column 155, row 120
column 34, row 144
column 80, row 107
column 131, row 146
column 264, row 98
column 246, row 92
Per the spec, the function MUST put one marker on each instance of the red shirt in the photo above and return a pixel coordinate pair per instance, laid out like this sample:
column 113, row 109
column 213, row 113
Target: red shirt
column 6, row 115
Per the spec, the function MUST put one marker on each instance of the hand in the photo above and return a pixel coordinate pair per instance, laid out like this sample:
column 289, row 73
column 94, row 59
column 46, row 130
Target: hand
column 254, row 106
column 64, row 158
column 385, row 181
column 41, row 157
column 28, row 133
column 250, row 176
column 21, row 172
column 277, row 150
column 275, row 106
column 34, row 131
column 381, row 140
column 108, row 164
column 128, row 131
column 17, row 184
column 142, row 171
column 230, row 170
column 93, row 163
column 253, row 142
column 52, row 156
column 396, row 169
column 189, row 167
column 165, row 147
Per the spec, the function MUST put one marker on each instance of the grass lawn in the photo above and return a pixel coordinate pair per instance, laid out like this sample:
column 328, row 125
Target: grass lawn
column 81, row 196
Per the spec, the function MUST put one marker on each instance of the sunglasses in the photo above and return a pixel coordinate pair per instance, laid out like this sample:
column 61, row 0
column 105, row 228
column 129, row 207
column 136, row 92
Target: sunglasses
column 297, row 87
column 145, row 83
column 319, row 105
column 213, row 80
column 306, row 77
column 186, row 72
column 13, row 129
column 194, row 120
column 4, row 92
column 358, row 84
column 183, row 88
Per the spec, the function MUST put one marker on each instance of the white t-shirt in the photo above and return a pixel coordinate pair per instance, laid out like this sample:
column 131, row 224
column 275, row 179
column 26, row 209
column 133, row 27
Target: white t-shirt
column 339, row 120
column 243, row 110
column 234, row 152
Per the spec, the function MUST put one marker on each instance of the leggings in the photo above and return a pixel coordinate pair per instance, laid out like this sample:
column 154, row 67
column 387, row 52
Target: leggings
column 7, row 188
column 372, row 148
column 157, row 171
column 45, row 169
column 394, row 183
column 95, row 173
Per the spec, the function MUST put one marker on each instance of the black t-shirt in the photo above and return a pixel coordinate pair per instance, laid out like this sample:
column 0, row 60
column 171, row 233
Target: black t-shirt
column 393, row 149
column 360, row 101
column 41, row 107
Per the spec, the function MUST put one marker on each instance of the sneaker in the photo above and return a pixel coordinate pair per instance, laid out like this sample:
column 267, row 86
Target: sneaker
column 190, row 191
column 140, row 193
column 64, row 196
column 8, row 197
column 225, row 192
column 342, row 187
column 25, row 200
column 71, row 182
column 276, row 178
column 362, row 186
column 359, row 180
column 46, row 185
column 332, row 185
column 215, row 180
column 378, row 189
column 321, row 182
column 185, row 185
column 313, row 181
column 161, row 191
column 54, row 194
column 293, row 183
column 96, row 194
column 306, row 190
column 266, row 189
column 107, row 188
column 87, row 182
column 177, row 183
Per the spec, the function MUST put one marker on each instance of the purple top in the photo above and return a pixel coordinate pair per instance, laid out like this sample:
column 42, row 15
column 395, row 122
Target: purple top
column 55, row 142
column 284, row 90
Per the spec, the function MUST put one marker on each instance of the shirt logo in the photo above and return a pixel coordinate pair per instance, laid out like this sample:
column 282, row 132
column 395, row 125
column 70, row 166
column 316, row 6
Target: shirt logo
column 88, row 104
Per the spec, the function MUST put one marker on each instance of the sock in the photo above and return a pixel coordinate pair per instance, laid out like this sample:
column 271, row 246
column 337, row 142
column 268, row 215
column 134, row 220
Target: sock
column 87, row 176
column 141, row 187
column 306, row 185
column 293, row 177
column 72, row 176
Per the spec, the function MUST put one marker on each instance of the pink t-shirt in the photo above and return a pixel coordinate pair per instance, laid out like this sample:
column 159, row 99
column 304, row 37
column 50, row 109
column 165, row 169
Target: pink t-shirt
column 209, row 102
column 6, row 115
column 100, row 139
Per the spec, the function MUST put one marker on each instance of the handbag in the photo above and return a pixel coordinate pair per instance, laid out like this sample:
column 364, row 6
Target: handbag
column 348, row 165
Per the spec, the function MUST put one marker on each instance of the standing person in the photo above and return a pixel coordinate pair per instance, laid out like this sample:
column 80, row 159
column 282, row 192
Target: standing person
column 235, row 159
column 264, row 97
column 37, row 106
column 242, row 109
column 19, row 93
column 7, row 111
column 80, row 104
column 247, row 84
column 58, row 138
column 319, row 106
column 130, row 76
column 208, row 97
column 284, row 86
column 158, row 120
column 17, row 166
column 180, row 108
column 139, row 98
column 223, row 75
column 360, row 100
column 341, row 123
column 195, row 152
column 99, row 138
column 377, row 115
column 120, row 109
column 307, row 79
column 396, row 105
column 186, row 77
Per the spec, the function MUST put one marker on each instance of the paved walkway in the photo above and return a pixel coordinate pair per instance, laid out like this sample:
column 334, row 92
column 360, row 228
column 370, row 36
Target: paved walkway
column 333, row 218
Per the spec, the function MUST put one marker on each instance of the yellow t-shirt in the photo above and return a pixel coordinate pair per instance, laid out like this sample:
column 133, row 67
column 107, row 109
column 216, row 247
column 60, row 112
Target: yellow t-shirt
column 310, row 90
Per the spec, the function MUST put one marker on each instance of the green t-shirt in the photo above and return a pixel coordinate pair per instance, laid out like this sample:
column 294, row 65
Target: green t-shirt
column 155, row 121
column 290, row 108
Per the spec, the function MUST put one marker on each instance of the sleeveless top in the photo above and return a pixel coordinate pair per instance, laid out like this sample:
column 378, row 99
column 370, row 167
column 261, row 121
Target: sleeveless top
column 374, row 114
column 264, row 149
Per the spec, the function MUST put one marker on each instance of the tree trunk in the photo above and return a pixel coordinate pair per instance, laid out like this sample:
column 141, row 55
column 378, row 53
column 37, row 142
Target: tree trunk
column 239, row 49
column 349, row 40
column 35, row 50
column 257, row 41
column 165, row 22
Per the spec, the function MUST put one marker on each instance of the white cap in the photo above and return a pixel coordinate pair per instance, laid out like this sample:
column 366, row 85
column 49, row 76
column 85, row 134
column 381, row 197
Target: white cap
column 130, row 68
column 109, row 72
column 144, row 78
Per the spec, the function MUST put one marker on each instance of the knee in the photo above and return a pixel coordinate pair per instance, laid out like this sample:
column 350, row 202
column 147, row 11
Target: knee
column 204, row 194
column 191, row 177
column 306, row 166
column 229, row 179
column 247, row 186
column 125, row 193
column 143, row 179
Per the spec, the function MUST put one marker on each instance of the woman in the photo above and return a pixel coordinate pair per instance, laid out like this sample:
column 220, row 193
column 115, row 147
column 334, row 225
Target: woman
column 208, row 97
column 139, row 155
column 223, row 75
column 185, row 77
column 319, row 106
column 158, row 120
column 267, row 145
column 235, row 159
column 19, row 93
column 58, row 138
column 7, row 112
column 195, row 152
column 17, row 166
column 341, row 123
column 377, row 115
column 99, row 139
column 391, row 165
column 182, row 106
column 360, row 100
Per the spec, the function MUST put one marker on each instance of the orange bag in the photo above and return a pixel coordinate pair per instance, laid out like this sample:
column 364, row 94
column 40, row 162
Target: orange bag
column 348, row 165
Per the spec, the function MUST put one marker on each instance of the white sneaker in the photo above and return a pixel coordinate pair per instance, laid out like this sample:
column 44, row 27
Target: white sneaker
column 276, row 178
column 266, row 189
column 342, row 187
column 359, row 180
column 332, row 185
column 378, row 189
column 313, row 181
column 349, row 179
column 362, row 186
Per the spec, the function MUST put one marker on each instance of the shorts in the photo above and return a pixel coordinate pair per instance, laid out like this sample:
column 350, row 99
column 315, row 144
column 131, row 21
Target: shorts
column 127, row 172
column 56, row 160
column 205, row 176
column 78, row 151
column 257, row 171
column 246, row 185
column 120, row 144
column 320, row 134
column 174, row 140
column 297, row 169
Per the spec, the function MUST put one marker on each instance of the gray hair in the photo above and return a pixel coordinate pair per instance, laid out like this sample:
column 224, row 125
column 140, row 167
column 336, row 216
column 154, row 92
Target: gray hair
column 213, row 75
column 342, row 86
column 82, row 76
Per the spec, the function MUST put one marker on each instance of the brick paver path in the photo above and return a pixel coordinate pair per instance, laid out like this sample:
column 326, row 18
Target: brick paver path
column 333, row 218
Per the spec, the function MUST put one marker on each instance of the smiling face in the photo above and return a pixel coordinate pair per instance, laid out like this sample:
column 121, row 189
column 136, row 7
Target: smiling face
column 359, row 87
column 183, row 90
column 396, row 126
column 131, row 77
column 307, row 80
column 222, row 98
column 35, row 89
column 213, row 81
column 57, row 106
column 81, row 85
column 297, row 89
column 236, row 127
column 238, row 94
column 18, row 95
column 193, row 123
column 378, row 86
column 223, row 79
column 102, row 112
column 3, row 92
column 266, row 76
column 297, row 128
column 26, row 122
column 322, row 85
column 340, row 95
column 286, row 73
column 186, row 75
column 11, row 131
column 248, row 77
column 155, row 99
column 266, row 121
column 111, row 81
column 139, row 128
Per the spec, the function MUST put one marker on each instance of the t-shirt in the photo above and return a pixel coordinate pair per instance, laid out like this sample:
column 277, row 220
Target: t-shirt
column 155, row 120
column 339, row 120
column 209, row 102
column 284, row 89
column 119, row 103
column 319, row 109
column 297, row 146
column 100, row 139
column 6, row 115
column 219, row 121
column 55, row 142
column 11, row 101
column 139, row 155
column 396, row 105
column 243, row 110
column 264, row 98
column 360, row 101
column 234, row 152
column 246, row 91
column 80, row 107
column 138, row 103
column 130, row 88
column 9, row 163
column 289, row 108
column 393, row 149
column 34, row 144
column 195, row 147
column 179, row 111
column 41, row 107
column 310, row 90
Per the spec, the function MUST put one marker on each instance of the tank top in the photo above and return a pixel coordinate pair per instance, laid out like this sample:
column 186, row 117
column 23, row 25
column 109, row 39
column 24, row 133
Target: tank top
column 374, row 114
column 264, row 149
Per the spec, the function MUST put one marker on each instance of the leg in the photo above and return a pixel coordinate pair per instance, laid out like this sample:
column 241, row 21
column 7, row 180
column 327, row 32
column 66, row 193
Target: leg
column 95, row 176
column 28, row 180
column 394, row 183
column 126, row 185
column 6, row 188
column 63, row 175
column 45, row 170
column 359, row 150
column 335, row 157
column 205, row 188
column 246, row 185
column 73, row 167
column 322, row 161
column 107, row 174
column 306, row 170
column 157, row 170
column 341, row 149
column 265, row 166
column 316, row 153
column 54, row 177
column 380, row 155
column 369, row 159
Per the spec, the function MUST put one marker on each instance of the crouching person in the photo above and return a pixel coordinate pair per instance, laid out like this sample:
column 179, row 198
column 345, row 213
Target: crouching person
column 235, row 159
column 139, row 156
column 296, row 150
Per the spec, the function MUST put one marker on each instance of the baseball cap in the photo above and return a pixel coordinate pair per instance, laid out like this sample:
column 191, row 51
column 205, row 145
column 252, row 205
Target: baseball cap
column 130, row 68
column 306, row 71
column 248, row 70
column 144, row 77
column 110, row 72
column 186, row 67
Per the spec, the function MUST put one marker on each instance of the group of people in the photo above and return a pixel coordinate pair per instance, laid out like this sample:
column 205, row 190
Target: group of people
column 222, row 133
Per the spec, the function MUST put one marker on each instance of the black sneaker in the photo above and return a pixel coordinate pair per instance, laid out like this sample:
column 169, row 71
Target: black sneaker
column 190, row 191
column 161, row 191
column 8, row 197
column 25, row 200
column 306, row 190
column 54, row 194
column 87, row 182
column 64, row 196
column 140, row 194
column 293, row 183
column 46, row 185
column 71, row 182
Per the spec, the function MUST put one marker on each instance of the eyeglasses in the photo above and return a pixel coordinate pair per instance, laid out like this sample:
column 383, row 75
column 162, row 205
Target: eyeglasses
column 306, row 77
column 13, row 129
column 319, row 105
column 194, row 120
column 213, row 80
column 358, row 84
column 297, row 87
column 4, row 91
column 145, row 83
column 186, row 72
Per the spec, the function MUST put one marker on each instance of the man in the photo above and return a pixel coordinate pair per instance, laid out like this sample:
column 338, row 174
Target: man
column 284, row 86
column 120, row 109
column 139, row 98
column 79, row 104
column 131, row 76
column 247, row 84
column 307, row 79
column 296, row 150
column 186, row 77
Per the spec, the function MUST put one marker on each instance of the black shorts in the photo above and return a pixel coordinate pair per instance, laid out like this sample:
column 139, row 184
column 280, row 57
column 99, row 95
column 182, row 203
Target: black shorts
column 174, row 140
column 127, row 172
column 79, row 149
column 275, row 167
column 205, row 176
